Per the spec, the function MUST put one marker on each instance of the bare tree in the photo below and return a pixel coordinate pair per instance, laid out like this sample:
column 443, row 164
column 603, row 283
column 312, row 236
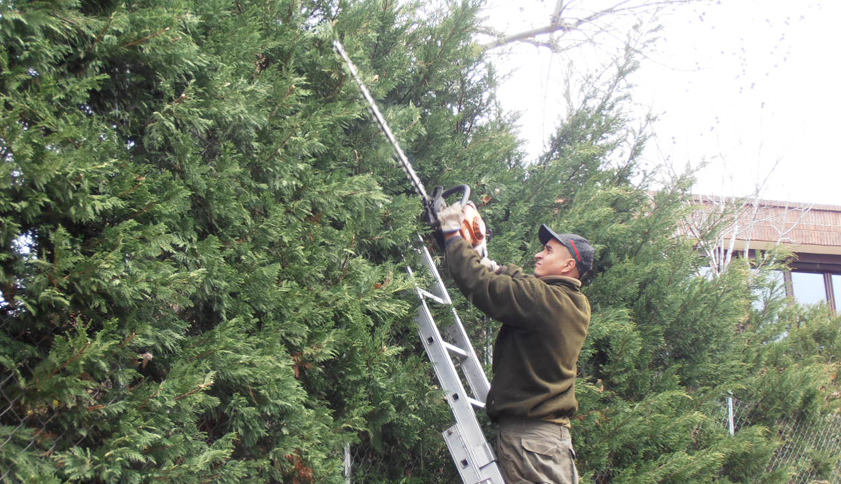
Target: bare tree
column 587, row 24
column 719, row 222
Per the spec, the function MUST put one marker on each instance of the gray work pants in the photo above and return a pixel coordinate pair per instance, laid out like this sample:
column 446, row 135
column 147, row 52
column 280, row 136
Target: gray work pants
column 533, row 451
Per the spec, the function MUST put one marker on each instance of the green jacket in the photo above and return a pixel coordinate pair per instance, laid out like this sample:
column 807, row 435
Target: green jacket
column 544, row 324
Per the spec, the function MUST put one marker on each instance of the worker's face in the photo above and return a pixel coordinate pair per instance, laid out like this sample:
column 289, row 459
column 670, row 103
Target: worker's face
column 553, row 260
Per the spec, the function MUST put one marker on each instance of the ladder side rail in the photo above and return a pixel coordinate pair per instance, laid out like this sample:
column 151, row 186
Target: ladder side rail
column 473, row 456
column 444, row 368
column 439, row 288
column 471, row 367
column 487, row 474
column 473, row 370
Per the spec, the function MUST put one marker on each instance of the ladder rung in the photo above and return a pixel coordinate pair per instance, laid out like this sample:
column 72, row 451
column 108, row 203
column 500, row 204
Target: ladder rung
column 428, row 295
column 472, row 401
column 455, row 349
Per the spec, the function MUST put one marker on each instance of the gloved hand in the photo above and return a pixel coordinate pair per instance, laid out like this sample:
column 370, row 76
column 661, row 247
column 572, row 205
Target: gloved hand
column 482, row 249
column 490, row 264
column 451, row 218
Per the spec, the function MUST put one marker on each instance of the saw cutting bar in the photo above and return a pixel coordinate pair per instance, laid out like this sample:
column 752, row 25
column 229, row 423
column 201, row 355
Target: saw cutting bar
column 401, row 157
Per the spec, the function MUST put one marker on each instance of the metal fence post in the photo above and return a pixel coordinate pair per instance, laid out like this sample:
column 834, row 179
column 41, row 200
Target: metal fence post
column 348, row 463
column 730, row 422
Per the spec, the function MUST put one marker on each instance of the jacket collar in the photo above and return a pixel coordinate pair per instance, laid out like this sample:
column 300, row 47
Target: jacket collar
column 570, row 282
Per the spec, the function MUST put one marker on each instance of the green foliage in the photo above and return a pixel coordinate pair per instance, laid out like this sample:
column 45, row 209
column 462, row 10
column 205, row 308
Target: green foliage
column 203, row 232
column 204, row 251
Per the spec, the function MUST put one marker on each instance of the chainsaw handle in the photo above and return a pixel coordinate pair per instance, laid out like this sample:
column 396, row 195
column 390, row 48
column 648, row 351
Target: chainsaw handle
column 465, row 189
column 473, row 228
column 438, row 202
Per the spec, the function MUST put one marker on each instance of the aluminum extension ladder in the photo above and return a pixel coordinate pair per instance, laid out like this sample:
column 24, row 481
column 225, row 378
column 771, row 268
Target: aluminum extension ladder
column 453, row 357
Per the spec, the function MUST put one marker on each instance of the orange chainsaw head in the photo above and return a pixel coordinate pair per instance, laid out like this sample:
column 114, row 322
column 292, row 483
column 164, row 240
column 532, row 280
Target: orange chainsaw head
column 473, row 228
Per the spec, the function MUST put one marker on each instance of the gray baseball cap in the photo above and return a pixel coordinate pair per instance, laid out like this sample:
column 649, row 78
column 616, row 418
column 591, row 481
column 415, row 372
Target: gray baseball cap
column 580, row 248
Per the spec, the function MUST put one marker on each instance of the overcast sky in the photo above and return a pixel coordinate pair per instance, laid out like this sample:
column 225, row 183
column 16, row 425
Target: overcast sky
column 742, row 85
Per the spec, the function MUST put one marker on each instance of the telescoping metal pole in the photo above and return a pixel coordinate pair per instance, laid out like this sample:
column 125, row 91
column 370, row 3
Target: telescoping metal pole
column 401, row 157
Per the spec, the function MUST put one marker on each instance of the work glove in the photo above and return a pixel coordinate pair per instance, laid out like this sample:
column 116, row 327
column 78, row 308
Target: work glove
column 482, row 249
column 451, row 218
column 490, row 264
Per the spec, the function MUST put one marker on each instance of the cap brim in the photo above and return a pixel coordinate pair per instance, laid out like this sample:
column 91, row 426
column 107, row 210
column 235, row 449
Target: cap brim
column 545, row 234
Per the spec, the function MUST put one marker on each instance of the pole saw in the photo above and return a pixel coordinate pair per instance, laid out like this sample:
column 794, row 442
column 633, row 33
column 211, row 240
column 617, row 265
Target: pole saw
column 473, row 229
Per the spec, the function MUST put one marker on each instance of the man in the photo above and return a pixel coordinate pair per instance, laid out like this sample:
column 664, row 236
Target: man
column 544, row 323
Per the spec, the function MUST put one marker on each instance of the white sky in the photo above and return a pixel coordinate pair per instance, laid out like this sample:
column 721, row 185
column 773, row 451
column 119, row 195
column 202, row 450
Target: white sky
column 741, row 85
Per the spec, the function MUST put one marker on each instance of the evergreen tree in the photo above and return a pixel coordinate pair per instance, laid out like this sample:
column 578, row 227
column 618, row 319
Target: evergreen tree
column 204, row 236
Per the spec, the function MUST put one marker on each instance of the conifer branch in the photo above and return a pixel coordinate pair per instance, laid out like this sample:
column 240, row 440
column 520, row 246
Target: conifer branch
column 154, row 395
column 71, row 360
column 139, row 184
column 127, row 340
column 99, row 35
column 143, row 210
column 147, row 38
column 199, row 388
column 285, row 97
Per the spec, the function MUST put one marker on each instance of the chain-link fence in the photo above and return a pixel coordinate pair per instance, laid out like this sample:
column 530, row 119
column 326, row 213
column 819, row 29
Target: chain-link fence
column 810, row 448
column 29, row 431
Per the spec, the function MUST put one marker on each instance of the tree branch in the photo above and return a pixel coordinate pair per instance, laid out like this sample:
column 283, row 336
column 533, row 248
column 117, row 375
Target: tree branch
column 527, row 35
column 558, row 24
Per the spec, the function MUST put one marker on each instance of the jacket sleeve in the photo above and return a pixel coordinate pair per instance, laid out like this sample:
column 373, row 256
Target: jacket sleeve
column 511, row 297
